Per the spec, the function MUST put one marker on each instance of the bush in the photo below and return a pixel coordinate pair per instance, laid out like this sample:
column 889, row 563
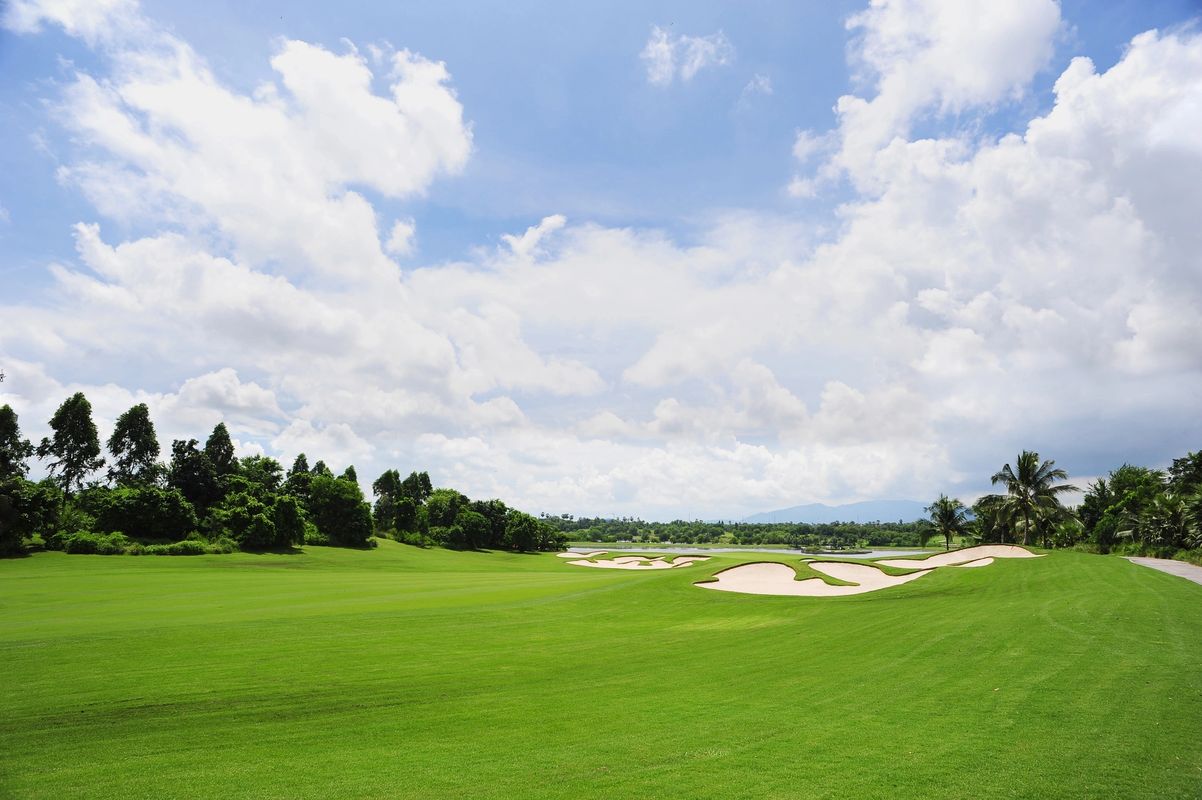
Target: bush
column 101, row 544
column 224, row 545
column 147, row 512
column 314, row 536
column 188, row 547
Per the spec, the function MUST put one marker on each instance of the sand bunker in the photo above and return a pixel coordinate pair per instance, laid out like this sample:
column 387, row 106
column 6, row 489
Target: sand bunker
column 640, row 562
column 593, row 554
column 980, row 562
column 957, row 557
column 780, row 579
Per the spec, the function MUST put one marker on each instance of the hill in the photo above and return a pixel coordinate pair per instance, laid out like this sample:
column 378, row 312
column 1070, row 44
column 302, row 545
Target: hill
column 866, row 511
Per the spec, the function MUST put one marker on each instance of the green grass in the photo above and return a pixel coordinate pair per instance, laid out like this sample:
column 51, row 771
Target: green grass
column 407, row 673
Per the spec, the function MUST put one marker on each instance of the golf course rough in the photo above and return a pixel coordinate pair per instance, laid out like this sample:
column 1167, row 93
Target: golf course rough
column 408, row 673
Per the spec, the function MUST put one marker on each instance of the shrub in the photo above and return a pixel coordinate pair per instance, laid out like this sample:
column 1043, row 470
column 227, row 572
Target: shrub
column 222, row 546
column 188, row 547
column 314, row 536
column 147, row 512
column 101, row 544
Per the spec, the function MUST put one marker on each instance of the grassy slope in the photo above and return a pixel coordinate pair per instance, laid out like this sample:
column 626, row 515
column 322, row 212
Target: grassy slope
column 405, row 673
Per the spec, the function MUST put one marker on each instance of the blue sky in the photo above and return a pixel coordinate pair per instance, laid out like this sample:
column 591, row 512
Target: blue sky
column 699, row 303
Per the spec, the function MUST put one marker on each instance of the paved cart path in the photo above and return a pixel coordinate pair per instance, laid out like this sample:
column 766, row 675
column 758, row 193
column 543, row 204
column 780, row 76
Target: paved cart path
column 1180, row 568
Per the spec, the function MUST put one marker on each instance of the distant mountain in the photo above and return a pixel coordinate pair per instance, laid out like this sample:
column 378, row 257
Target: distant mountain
column 867, row 511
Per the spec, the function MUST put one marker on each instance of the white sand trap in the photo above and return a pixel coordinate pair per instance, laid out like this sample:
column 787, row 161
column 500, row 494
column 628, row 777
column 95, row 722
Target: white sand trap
column 616, row 564
column 640, row 562
column 780, row 579
column 962, row 556
column 594, row 554
column 980, row 562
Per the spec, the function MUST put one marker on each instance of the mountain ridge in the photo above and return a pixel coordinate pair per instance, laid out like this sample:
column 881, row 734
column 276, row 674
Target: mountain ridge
column 863, row 511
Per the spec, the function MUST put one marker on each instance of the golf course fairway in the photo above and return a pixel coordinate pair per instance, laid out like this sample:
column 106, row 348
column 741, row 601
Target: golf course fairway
column 407, row 673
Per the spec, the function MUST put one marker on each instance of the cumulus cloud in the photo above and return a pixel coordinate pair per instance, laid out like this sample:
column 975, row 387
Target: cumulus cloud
column 934, row 57
column 970, row 297
column 669, row 58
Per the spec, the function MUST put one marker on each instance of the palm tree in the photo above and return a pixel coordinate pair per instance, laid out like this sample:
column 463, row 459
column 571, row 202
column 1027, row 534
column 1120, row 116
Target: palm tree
column 949, row 518
column 1029, row 490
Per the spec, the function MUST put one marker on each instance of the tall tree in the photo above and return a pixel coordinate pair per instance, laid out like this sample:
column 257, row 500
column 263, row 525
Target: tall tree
column 193, row 474
column 1030, row 491
column 349, row 474
column 14, row 451
column 135, row 448
column 220, row 450
column 1185, row 475
column 74, row 450
column 297, row 482
column 949, row 517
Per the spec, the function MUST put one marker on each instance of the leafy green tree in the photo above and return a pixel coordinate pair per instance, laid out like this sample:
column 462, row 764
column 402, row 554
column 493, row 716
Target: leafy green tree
column 1166, row 522
column 74, row 449
column 289, row 519
column 262, row 471
column 417, row 487
column 1185, row 474
column 247, row 520
column 387, row 489
column 349, row 474
column 26, row 508
column 193, row 474
column 219, row 448
column 949, row 516
column 495, row 513
column 443, row 507
column 14, row 451
column 148, row 513
column 135, row 448
column 297, row 481
column 339, row 511
column 320, row 468
column 1031, row 493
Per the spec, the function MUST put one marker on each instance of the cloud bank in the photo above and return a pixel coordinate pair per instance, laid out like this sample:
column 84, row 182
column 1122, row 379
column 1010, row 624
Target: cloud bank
column 975, row 295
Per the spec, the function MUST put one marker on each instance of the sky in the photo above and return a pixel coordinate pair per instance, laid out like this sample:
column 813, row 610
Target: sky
column 667, row 260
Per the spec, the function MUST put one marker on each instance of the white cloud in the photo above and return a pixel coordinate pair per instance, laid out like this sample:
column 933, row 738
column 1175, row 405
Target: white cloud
column 669, row 58
column 95, row 21
column 401, row 239
column 936, row 57
column 978, row 295
column 759, row 84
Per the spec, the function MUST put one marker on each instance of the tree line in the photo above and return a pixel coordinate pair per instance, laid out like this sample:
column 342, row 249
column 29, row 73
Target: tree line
column 205, row 499
column 1132, row 510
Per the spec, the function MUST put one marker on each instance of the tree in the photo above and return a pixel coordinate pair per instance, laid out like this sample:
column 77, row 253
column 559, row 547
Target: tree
column 220, row 450
column 135, row 448
column 297, row 482
column 262, row 471
column 417, row 487
column 349, row 474
column 144, row 512
column 75, row 446
column 192, row 473
column 320, row 468
column 949, row 518
column 339, row 511
column 387, row 489
column 14, row 451
column 1185, row 474
column 1030, row 493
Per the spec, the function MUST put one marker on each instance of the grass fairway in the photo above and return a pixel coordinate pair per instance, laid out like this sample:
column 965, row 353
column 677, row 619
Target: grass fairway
column 408, row 673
